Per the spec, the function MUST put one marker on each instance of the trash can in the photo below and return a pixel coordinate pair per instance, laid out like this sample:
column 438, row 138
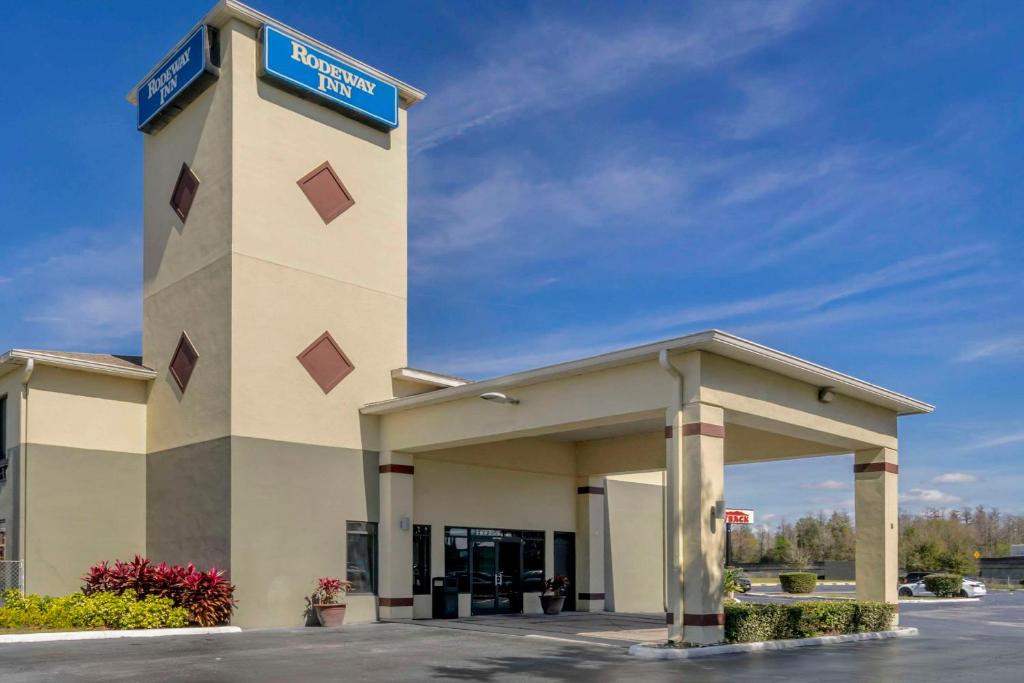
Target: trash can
column 445, row 591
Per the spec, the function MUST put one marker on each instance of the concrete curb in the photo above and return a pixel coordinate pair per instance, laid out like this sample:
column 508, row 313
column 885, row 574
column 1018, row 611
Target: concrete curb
column 935, row 601
column 644, row 651
column 104, row 635
column 801, row 596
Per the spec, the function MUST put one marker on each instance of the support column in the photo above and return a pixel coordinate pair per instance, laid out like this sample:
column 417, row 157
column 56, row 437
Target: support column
column 394, row 586
column 702, row 517
column 876, row 475
column 589, row 585
column 673, row 522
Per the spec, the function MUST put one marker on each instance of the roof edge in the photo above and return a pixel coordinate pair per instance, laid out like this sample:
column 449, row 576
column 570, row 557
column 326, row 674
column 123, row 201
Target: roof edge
column 709, row 340
column 434, row 379
column 226, row 10
column 21, row 356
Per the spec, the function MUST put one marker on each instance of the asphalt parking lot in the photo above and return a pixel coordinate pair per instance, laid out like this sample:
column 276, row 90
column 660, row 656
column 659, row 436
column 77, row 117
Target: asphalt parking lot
column 957, row 642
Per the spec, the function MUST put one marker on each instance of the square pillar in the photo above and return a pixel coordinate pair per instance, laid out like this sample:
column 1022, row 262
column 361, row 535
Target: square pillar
column 701, row 474
column 673, row 523
column 876, row 475
column 394, row 584
column 589, row 583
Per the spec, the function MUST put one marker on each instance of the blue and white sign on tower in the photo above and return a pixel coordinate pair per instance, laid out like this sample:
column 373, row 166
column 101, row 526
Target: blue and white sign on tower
column 309, row 70
column 169, row 81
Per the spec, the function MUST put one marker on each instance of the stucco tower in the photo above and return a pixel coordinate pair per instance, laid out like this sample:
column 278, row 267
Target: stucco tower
column 274, row 307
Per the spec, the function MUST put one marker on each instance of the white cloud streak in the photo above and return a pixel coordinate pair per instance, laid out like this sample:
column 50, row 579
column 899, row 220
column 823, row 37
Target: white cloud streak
column 954, row 478
column 554, row 65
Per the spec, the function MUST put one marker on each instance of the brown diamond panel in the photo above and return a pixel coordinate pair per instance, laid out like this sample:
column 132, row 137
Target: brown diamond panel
column 185, row 189
column 325, row 362
column 183, row 362
column 325, row 192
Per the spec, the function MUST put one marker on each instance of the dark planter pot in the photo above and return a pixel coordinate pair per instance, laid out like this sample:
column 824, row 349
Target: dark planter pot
column 552, row 604
column 330, row 615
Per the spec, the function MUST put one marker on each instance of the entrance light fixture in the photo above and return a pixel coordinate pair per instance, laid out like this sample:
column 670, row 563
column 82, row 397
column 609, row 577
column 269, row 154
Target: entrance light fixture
column 498, row 397
column 826, row 395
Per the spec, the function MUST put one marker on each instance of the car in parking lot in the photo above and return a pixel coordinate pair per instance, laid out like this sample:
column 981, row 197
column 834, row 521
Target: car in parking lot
column 743, row 584
column 969, row 588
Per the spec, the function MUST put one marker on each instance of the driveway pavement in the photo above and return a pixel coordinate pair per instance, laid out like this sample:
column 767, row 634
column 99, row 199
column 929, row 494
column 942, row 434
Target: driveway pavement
column 976, row 641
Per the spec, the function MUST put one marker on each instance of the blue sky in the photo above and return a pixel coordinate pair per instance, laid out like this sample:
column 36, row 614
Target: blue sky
column 837, row 180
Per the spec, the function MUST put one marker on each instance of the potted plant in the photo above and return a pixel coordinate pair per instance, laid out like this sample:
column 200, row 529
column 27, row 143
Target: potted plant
column 731, row 582
column 553, row 596
column 328, row 600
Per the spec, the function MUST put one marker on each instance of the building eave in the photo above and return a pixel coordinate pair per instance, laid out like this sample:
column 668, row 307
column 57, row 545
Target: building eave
column 18, row 357
column 712, row 341
column 428, row 378
column 225, row 10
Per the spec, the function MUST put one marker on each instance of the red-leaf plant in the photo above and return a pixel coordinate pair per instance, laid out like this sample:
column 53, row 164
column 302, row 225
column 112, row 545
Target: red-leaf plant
column 208, row 596
column 328, row 590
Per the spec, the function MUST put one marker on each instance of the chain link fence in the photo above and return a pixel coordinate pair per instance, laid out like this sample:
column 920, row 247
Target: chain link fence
column 12, row 575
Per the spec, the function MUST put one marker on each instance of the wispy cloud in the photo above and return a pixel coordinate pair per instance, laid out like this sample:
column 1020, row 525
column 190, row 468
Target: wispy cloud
column 786, row 307
column 79, row 290
column 954, row 478
column 998, row 349
column 997, row 441
column 826, row 485
column 928, row 497
column 550, row 64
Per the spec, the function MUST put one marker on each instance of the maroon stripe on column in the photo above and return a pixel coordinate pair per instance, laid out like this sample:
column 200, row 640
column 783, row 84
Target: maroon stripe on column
column 397, row 469
column 668, row 431
column 704, row 429
column 670, row 618
column 591, row 596
column 703, row 619
column 890, row 467
column 596, row 490
column 395, row 602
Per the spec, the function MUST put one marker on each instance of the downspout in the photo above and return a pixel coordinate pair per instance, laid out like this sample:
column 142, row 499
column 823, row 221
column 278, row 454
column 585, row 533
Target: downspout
column 668, row 491
column 30, row 367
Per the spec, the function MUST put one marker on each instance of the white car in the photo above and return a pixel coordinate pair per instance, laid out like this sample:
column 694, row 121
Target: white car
column 970, row 588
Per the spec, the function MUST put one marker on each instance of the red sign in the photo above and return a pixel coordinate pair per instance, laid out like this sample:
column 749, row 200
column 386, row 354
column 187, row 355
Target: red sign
column 739, row 516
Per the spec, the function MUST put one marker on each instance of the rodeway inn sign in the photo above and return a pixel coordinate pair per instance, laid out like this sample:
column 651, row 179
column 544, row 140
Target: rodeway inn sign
column 304, row 67
column 189, row 65
column 287, row 61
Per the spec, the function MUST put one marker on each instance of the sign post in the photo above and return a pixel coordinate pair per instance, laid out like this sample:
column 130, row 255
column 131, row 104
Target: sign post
column 734, row 516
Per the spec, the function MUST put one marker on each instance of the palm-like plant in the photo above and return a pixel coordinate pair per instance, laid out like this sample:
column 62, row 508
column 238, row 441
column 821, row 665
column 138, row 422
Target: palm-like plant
column 731, row 581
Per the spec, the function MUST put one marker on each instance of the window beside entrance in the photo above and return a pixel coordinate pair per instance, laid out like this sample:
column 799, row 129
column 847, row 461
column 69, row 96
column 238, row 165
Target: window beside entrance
column 456, row 555
column 362, row 556
column 421, row 559
column 533, row 561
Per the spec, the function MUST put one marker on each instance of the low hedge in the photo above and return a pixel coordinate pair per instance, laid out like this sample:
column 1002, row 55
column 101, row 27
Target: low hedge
column 747, row 622
column 798, row 582
column 80, row 611
column 944, row 585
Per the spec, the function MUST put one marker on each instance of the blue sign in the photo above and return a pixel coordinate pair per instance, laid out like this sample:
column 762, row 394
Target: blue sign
column 174, row 75
column 314, row 71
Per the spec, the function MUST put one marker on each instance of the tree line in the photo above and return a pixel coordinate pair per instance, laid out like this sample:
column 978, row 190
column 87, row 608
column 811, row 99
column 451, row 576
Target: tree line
column 932, row 540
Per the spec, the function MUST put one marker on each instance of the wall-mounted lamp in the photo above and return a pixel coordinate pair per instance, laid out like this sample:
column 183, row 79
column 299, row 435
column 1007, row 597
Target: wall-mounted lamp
column 826, row 395
column 498, row 397
column 720, row 509
column 404, row 523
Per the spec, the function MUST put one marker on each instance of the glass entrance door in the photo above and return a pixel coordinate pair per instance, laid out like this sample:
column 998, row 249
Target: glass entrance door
column 497, row 567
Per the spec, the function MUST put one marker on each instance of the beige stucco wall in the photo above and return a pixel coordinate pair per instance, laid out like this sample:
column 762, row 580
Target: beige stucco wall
column 10, row 386
column 295, row 277
column 85, row 475
column 634, row 572
column 187, row 267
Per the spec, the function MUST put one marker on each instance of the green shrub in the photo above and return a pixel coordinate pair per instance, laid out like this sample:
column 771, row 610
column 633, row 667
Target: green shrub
column 874, row 616
column 749, row 622
column 944, row 585
column 798, row 582
column 79, row 611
